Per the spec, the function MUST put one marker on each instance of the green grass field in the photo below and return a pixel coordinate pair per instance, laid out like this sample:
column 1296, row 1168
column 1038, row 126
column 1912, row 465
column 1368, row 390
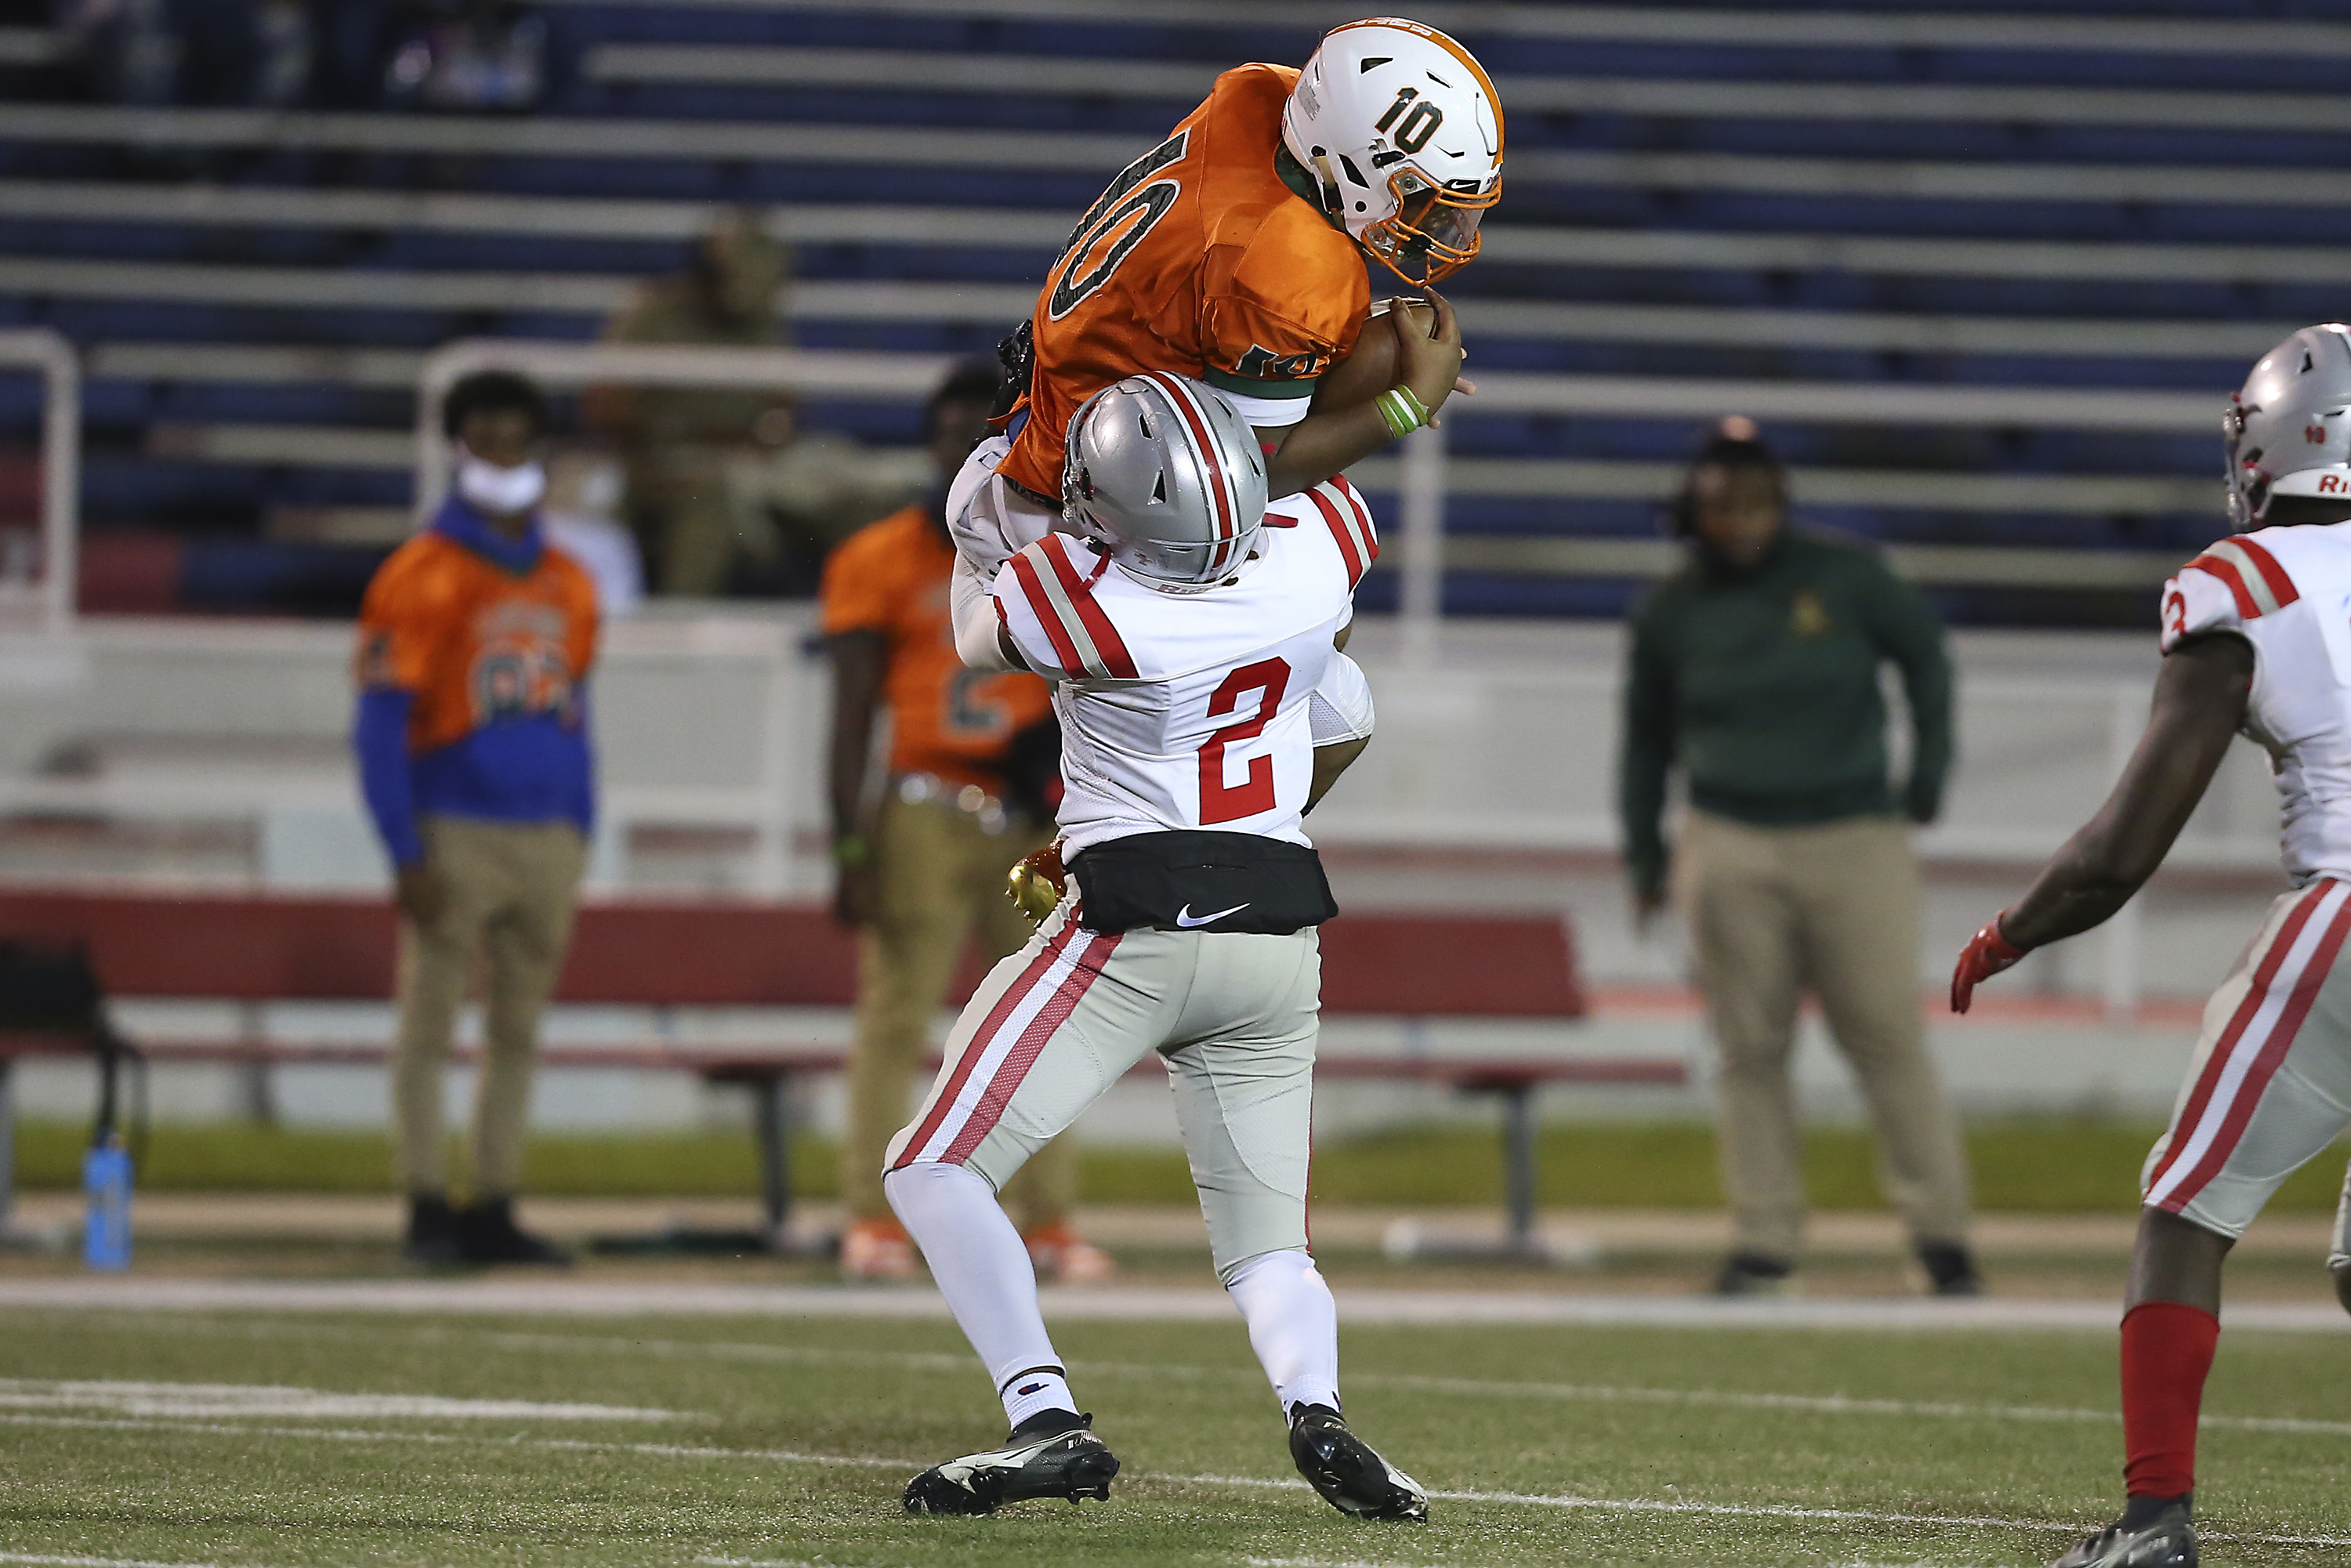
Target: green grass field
column 785, row 1443
column 2046, row 1167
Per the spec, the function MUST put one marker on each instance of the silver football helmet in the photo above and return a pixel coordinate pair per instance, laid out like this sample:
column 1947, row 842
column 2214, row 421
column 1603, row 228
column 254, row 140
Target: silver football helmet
column 2288, row 433
column 1165, row 477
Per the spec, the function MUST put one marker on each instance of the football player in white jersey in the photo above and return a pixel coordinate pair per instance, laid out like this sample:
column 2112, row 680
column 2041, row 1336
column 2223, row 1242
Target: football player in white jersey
column 1193, row 640
column 2254, row 640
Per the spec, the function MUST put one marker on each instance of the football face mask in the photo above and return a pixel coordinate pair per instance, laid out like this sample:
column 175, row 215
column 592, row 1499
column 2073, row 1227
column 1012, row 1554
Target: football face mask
column 1433, row 234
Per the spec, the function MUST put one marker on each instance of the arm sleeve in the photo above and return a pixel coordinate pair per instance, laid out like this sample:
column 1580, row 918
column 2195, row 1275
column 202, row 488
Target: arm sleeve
column 583, row 810
column 978, row 620
column 1273, row 328
column 1647, row 754
column 1909, row 633
column 1340, row 707
column 986, row 522
column 379, row 737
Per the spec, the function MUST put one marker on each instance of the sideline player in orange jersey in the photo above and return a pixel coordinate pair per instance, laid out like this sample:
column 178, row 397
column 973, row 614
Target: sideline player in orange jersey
column 1234, row 252
column 475, row 640
column 922, row 859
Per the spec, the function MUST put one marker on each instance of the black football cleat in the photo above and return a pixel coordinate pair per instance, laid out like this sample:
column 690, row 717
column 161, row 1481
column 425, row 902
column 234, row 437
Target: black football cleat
column 433, row 1236
column 1350, row 1476
column 486, row 1233
column 2165, row 1540
column 1052, row 1454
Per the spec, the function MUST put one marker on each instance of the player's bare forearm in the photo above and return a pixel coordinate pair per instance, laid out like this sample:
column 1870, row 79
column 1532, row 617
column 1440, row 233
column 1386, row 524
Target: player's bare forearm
column 1330, row 761
column 2199, row 702
column 1321, row 445
column 1427, row 357
column 858, row 658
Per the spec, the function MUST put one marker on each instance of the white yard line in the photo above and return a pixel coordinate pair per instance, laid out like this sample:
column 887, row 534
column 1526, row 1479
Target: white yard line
column 502, row 1297
column 214, row 1399
column 1599, row 1394
column 1250, row 1483
column 349, row 1435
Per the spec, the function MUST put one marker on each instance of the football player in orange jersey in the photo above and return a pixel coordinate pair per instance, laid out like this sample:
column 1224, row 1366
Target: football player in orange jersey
column 922, row 859
column 1234, row 252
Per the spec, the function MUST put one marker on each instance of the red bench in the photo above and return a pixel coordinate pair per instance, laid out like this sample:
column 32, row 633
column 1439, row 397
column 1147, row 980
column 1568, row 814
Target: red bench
column 257, row 948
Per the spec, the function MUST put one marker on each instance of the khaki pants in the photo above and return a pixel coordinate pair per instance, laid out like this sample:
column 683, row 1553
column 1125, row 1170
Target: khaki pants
column 512, row 890
column 939, row 876
column 1233, row 1014
column 682, row 490
column 1833, row 909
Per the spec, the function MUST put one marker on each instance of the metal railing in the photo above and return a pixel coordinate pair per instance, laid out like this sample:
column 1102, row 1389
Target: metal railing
column 1421, row 472
column 47, row 351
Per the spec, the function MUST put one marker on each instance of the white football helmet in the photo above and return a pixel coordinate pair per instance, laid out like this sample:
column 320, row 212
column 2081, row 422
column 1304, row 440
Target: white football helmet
column 2288, row 433
column 1402, row 132
column 1166, row 477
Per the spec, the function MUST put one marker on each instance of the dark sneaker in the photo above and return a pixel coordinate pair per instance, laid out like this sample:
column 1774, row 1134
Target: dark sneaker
column 1052, row 1454
column 1753, row 1274
column 486, row 1233
column 1950, row 1270
column 1350, row 1476
column 2168, row 1539
column 432, row 1238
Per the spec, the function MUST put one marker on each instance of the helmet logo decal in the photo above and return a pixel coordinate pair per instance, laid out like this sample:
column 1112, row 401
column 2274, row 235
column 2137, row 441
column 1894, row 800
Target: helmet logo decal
column 1420, row 120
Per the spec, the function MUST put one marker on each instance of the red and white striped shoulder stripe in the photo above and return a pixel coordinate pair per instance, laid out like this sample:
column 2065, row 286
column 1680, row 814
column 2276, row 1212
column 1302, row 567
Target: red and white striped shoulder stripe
column 2250, row 573
column 1060, row 593
column 1349, row 518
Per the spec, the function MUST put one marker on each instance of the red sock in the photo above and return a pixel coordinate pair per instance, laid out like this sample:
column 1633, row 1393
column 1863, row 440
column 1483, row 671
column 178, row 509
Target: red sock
column 2166, row 1350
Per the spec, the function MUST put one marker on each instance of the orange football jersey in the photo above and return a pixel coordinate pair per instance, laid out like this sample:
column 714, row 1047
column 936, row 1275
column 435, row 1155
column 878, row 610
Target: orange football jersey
column 891, row 577
column 1197, row 261
column 475, row 642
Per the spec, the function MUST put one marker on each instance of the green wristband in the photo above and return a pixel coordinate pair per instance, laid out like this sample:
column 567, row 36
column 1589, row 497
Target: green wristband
column 850, row 850
column 1398, row 413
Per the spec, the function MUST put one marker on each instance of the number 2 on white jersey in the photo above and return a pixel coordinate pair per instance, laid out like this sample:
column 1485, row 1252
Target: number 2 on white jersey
column 1220, row 801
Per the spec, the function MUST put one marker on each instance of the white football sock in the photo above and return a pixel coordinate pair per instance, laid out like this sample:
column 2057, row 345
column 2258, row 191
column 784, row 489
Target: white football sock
column 1293, row 1326
column 983, row 1270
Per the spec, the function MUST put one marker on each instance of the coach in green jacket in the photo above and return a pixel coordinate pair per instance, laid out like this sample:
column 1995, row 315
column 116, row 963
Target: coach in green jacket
column 1755, row 670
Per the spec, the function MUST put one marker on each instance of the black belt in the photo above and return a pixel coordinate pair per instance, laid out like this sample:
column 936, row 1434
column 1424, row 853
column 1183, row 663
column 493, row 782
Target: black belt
column 1201, row 882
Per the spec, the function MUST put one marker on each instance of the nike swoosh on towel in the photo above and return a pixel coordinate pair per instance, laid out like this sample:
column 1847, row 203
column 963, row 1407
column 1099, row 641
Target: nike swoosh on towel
column 1186, row 918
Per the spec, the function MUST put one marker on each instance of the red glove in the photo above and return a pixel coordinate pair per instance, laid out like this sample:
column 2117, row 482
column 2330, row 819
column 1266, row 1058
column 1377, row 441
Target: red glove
column 1987, row 953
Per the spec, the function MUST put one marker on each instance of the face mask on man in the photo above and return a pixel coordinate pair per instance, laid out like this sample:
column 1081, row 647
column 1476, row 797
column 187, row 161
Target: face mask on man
column 503, row 492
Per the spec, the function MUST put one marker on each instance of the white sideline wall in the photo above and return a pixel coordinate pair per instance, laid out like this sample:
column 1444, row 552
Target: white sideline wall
column 1488, row 787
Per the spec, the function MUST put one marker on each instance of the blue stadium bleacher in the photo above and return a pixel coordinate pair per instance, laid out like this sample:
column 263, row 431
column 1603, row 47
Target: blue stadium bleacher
column 2125, row 199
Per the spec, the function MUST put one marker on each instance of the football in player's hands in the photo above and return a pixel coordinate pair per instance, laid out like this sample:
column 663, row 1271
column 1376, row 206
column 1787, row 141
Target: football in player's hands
column 1368, row 370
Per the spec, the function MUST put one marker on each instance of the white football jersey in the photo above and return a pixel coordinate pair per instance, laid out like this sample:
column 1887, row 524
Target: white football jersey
column 2287, row 591
column 1188, row 709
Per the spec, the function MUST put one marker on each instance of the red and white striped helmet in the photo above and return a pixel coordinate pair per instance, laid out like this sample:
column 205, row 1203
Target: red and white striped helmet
column 2288, row 432
column 1167, row 478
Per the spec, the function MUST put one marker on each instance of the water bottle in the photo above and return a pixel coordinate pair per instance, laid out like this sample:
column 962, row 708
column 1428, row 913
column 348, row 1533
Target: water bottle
column 106, row 1178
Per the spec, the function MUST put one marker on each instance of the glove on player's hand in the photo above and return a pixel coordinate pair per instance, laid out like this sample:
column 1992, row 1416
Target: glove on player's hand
column 1987, row 953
